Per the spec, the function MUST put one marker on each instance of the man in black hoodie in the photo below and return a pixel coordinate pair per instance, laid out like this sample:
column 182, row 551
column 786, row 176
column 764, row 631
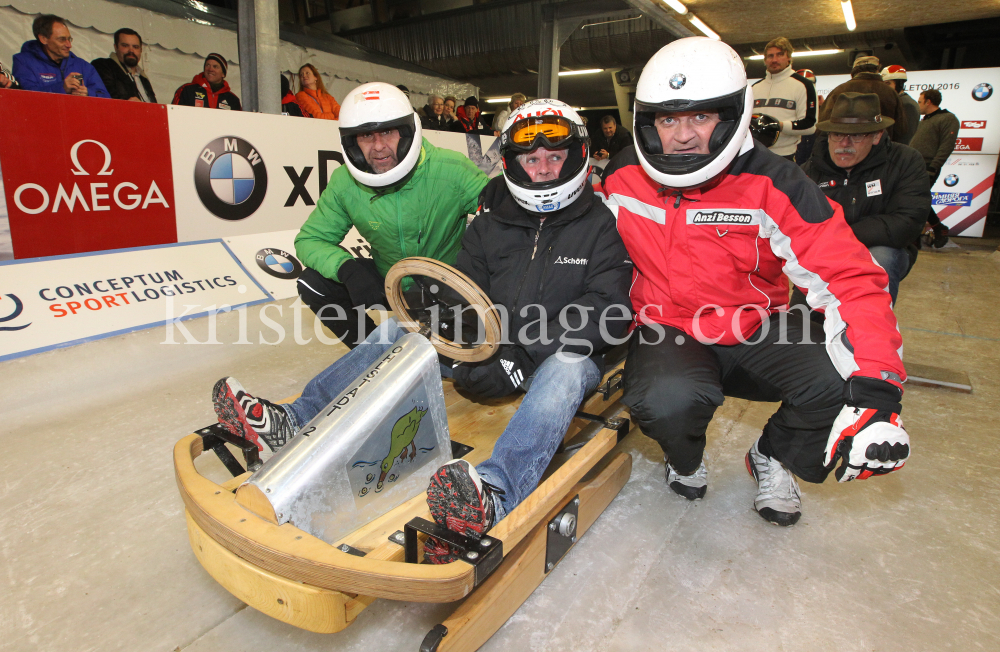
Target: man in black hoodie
column 881, row 185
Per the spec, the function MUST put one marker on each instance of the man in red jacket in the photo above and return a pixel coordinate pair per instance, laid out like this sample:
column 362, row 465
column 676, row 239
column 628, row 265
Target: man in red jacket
column 716, row 225
column 209, row 88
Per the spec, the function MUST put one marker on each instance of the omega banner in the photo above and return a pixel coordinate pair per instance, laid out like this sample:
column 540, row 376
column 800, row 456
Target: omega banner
column 60, row 301
column 78, row 176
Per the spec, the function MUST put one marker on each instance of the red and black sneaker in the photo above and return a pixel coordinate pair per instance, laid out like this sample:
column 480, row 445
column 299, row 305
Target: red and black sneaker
column 252, row 418
column 462, row 502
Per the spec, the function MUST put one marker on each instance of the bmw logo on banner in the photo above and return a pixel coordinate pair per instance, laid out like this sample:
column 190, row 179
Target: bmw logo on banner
column 982, row 92
column 231, row 178
column 279, row 263
column 951, row 180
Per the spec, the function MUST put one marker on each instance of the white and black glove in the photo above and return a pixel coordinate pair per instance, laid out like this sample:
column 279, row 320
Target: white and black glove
column 868, row 433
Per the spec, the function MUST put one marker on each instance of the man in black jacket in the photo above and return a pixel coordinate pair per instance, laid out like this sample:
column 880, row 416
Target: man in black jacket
column 121, row 73
column 881, row 185
column 546, row 249
column 612, row 139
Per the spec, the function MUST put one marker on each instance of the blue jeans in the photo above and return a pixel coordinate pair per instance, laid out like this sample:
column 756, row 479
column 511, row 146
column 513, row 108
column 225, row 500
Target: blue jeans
column 895, row 262
column 526, row 446
column 332, row 381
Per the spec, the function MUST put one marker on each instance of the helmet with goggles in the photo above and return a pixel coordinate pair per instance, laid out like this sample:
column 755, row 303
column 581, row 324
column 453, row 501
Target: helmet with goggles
column 553, row 125
column 372, row 108
column 693, row 74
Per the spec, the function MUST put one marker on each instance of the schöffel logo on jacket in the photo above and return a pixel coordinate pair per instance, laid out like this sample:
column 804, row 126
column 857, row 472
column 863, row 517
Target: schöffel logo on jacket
column 724, row 216
column 566, row 260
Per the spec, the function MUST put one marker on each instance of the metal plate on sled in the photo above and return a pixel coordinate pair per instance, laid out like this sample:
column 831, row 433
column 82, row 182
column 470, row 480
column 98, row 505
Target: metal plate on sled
column 561, row 533
column 391, row 421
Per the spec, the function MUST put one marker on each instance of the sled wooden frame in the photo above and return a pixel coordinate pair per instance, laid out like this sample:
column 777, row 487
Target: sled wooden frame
column 299, row 579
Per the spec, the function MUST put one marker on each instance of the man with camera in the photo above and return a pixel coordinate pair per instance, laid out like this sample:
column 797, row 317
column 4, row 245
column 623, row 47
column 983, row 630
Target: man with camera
column 48, row 65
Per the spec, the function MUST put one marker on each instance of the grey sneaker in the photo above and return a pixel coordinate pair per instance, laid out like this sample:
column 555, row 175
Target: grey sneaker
column 691, row 486
column 258, row 420
column 778, row 499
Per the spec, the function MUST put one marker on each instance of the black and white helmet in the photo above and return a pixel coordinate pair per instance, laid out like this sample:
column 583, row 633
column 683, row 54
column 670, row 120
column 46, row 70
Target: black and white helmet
column 691, row 74
column 554, row 125
column 375, row 107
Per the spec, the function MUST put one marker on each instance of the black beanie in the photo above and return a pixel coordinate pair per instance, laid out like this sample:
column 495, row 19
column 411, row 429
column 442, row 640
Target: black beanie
column 221, row 60
column 472, row 101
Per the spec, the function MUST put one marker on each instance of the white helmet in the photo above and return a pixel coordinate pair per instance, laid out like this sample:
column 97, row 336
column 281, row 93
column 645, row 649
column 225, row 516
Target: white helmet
column 374, row 107
column 554, row 125
column 691, row 74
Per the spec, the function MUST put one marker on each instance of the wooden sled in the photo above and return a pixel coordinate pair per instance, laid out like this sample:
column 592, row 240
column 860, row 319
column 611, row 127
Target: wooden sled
column 299, row 579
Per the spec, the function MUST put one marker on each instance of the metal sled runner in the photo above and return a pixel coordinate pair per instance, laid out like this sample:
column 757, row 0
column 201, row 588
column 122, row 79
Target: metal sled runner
column 261, row 555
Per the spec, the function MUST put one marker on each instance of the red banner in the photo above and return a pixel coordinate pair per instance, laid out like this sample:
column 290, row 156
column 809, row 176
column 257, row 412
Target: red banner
column 969, row 145
column 85, row 174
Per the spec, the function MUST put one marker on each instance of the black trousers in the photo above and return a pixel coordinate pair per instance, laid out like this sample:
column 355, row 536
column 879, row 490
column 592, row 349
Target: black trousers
column 674, row 387
column 318, row 292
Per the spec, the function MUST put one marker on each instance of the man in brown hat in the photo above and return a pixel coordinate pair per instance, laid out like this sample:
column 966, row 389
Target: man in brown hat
column 881, row 185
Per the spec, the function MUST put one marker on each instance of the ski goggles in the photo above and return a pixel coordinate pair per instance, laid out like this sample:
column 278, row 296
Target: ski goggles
column 551, row 130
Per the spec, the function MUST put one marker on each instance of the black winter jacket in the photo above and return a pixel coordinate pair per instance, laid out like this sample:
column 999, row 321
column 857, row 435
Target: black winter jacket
column 119, row 83
column 575, row 258
column 886, row 197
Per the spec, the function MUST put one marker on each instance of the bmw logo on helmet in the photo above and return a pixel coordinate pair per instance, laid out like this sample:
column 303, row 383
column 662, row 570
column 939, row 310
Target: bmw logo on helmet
column 677, row 81
column 951, row 180
column 230, row 178
column 982, row 92
column 279, row 263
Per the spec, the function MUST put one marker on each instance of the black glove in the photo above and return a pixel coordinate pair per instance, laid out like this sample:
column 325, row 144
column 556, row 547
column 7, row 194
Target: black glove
column 365, row 288
column 499, row 376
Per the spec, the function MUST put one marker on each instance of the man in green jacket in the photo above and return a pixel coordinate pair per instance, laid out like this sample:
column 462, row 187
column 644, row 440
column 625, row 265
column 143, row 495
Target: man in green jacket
column 404, row 196
column 935, row 140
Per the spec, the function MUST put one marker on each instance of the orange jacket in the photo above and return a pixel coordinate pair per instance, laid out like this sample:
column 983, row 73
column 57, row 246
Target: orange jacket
column 318, row 105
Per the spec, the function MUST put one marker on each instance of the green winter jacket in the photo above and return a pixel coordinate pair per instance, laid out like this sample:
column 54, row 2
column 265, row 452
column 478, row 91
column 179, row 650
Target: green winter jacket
column 424, row 215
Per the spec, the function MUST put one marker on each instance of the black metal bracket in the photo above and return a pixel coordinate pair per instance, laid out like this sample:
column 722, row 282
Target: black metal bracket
column 483, row 554
column 459, row 450
column 433, row 638
column 612, row 384
column 618, row 424
column 562, row 533
column 351, row 550
column 215, row 437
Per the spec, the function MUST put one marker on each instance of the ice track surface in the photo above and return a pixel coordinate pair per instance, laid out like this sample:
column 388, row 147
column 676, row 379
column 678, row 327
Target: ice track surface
column 94, row 553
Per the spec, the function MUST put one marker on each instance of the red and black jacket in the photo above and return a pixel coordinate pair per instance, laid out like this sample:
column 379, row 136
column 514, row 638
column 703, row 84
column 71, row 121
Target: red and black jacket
column 200, row 93
column 715, row 261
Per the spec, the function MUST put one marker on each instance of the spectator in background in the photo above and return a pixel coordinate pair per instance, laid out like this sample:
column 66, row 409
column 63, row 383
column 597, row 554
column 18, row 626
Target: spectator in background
column 895, row 78
column 47, row 64
column 313, row 98
column 881, row 184
column 516, row 100
column 121, row 73
column 468, row 118
column 865, row 78
column 785, row 96
column 7, row 79
column 209, row 88
column 612, row 139
column 450, row 102
column 805, row 147
column 406, row 91
column 433, row 117
column 288, row 104
column 935, row 140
